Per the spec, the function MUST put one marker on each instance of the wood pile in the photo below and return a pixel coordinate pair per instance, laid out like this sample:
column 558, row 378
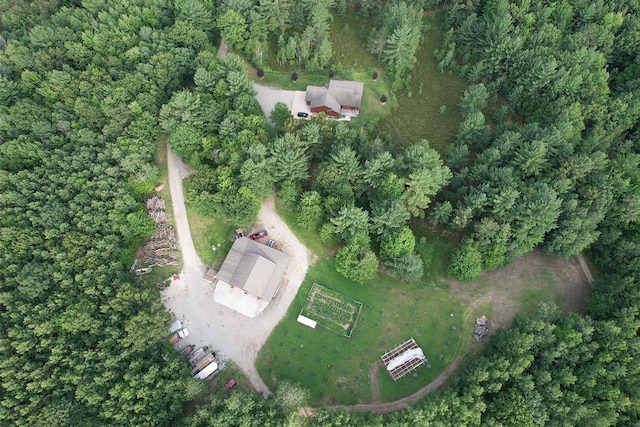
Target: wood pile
column 162, row 247
column 157, row 210
column 482, row 328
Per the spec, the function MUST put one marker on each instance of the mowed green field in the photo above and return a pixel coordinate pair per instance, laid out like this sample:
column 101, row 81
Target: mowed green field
column 336, row 369
column 208, row 233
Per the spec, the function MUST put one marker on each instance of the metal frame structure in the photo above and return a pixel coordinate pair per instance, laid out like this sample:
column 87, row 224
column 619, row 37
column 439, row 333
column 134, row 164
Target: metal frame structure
column 406, row 367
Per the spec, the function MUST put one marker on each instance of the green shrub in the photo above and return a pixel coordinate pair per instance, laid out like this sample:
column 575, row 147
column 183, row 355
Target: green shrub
column 289, row 194
column 328, row 234
column 466, row 263
column 310, row 213
column 356, row 263
column 406, row 267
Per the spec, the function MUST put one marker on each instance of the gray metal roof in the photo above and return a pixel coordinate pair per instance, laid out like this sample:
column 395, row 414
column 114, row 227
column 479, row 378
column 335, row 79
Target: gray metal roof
column 326, row 100
column 254, row 267
column 348, row 93
column 314, row 92
column 336, row 94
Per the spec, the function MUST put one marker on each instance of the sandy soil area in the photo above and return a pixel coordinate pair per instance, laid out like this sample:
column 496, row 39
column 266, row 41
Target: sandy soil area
column 268, row 97
column 233, row 335
column 501, row 288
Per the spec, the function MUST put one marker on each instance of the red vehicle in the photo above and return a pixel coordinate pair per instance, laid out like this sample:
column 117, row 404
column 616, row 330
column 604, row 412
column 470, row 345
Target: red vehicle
column 230, row 384
column 258, row 235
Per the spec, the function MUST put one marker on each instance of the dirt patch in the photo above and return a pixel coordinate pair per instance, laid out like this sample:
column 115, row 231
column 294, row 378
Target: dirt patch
column 426, row 13
column 373, row 377
column 513, row 289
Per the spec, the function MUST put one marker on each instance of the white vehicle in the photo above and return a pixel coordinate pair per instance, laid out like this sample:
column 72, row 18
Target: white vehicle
column 182, row 333
column 175, row 326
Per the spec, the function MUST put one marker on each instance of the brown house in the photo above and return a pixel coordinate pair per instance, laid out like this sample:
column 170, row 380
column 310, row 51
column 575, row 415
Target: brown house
column 336, row 98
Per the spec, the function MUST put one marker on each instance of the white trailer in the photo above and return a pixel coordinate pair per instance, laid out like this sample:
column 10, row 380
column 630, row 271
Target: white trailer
column 207, row 371
column 202, row 364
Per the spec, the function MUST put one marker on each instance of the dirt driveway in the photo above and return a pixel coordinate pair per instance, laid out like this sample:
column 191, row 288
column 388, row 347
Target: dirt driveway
column 235, row 336
column 299, row 103
column 268, row 97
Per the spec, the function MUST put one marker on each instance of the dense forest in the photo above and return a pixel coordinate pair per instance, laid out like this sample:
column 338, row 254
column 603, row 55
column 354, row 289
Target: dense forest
column 547, row 156
column 81, row 90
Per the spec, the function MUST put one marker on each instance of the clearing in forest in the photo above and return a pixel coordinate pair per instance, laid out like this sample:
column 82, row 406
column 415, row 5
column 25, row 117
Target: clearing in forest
column 331, row 310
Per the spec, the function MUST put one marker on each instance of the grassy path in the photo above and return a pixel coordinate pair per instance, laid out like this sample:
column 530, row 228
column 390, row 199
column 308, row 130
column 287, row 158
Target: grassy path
column 386, row 407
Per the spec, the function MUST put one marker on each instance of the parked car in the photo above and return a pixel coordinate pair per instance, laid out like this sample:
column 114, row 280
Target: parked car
column 303, row 114
column 182, row 333
column 229, row 385
column 175, row 326
column 258, row 235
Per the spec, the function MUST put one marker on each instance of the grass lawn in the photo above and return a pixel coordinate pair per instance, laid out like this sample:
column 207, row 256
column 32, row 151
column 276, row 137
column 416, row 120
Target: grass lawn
column 160, row 275
column 435, row 249
column 336, row 369
column 308, row 238
column 207, row 232
column 331, row 310
column 349, row 34
column 230, row 371
column 418, row 113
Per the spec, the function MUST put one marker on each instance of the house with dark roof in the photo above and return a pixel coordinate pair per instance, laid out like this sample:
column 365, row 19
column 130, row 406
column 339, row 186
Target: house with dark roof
column 250, row 276
column 336, row 98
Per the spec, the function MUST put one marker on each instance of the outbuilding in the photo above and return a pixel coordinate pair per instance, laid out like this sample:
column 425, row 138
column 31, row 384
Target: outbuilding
column 250, row 277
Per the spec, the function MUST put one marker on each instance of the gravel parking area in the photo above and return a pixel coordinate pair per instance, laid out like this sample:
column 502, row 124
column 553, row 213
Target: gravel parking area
column 268, row 97
column 190, row 297
column 299, row 104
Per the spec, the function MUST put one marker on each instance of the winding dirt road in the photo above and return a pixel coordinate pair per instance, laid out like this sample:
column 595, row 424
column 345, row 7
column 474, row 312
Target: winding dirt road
column 396, row 405
column 190, row 297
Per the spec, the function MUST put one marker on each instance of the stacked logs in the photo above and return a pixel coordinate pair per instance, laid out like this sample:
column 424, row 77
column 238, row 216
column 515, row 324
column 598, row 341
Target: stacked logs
column 482, row 328
column 162, row 247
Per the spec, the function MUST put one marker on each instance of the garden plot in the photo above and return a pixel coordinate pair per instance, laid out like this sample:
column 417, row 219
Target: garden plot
column 331, row 310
